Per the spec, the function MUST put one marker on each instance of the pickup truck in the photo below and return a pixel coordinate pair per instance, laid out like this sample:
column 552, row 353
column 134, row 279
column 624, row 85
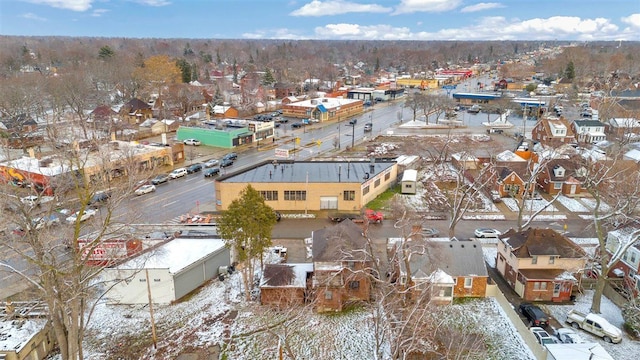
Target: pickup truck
column 596, row 325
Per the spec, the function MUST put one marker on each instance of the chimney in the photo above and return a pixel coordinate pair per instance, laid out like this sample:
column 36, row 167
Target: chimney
column 31, row 152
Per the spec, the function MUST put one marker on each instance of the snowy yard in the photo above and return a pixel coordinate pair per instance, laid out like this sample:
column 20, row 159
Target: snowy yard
column 530, row 206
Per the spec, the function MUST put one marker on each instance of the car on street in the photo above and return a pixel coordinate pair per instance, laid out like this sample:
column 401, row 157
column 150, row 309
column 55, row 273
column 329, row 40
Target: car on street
column 211, row 163
column 353, row 121
column 230, row 156
column 297, row 125
column 194, row 142
column 226, row 162
column 534, row 314
column 86, row 215
column 368, row 127
column 145, row 189
column 542, row 336
column 487, row 233
column 194, row 168
column 45, row 221
column 429, row 232
column 568, row 336
column 160, row 179
column 211, row 172
column 99, row 197
column 31, row 200
column 178, row 173
column 141, row 183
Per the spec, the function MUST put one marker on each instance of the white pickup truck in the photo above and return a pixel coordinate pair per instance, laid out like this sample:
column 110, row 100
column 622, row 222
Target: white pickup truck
column 596, row 325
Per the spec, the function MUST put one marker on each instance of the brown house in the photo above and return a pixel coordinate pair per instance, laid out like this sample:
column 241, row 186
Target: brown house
column 285, row 285
column 449, row 269
column 103, row 113
column 341, row 266
column 511, row 180
column 20, row 132
column 553, row 132
column 539, row 264
column 560, row 175
column 283, row 90
column 136, row 111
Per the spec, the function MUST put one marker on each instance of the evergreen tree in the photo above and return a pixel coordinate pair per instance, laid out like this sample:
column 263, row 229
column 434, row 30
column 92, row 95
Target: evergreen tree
column 185, row 70
column 570, row 72
column 106, row 53
column 235, row 71
column 246, row 227
column 268, row 77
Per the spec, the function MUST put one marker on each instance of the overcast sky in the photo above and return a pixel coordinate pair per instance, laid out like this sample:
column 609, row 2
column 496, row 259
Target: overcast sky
column 326, row 19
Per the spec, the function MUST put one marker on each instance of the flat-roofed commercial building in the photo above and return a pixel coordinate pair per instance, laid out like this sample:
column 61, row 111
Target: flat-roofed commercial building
column 288, row 185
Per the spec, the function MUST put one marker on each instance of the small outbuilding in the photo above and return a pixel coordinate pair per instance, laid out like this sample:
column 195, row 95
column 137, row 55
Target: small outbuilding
column 285, row 284
column 173, row 270
column 409, row 181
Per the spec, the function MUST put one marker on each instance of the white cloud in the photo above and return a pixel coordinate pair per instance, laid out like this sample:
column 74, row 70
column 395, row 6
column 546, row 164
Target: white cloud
column 488, row 28
column 154, row 2
column 274, row 34
column 411, row 6
column 481, row 7
column 99, row 12
column 633, row 20
column 75, row 5
column 32, row 16
column 337, row 7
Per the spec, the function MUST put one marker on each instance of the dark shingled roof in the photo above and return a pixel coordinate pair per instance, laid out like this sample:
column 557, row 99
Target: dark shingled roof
column 456, row 258
column 342, row 242
column 541, row 242
column 278, row 275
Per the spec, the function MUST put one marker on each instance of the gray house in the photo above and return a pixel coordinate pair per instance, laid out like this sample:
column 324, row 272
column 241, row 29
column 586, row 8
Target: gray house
column 173, row 270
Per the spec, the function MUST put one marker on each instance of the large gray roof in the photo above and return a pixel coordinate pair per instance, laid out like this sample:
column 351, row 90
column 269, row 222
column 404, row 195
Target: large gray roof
column 456, row 258
column 309, row 171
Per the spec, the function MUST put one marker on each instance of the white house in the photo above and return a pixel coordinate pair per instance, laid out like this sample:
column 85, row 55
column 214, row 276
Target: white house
column 173, row 270
column 589, row 131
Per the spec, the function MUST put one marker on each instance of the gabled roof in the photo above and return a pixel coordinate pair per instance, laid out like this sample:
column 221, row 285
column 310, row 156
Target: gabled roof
column 520, row 169
column 136, row 104
column 588, row 123
column 456, row 258
column 342, row 242
column 103, row 110
column 18, row 121
column 530, row 242
column 570, row 167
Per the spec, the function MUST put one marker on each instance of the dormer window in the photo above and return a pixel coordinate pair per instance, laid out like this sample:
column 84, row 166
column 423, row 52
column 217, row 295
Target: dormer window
column 558, row 171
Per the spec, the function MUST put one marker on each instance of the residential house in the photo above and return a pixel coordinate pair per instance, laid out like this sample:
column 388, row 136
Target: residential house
column 589, row 131
column 285, row 285
column 553, row 132
column 20, row 131
column 103, row 114
column 449, row 269
column 512, row 180
column 284, row 90
column 628, row 267
column 136, row 111
column 539, row 264
column 561, row 175
column 341, row 266
column 224, row 112
column 164, row 126
column 623, row 127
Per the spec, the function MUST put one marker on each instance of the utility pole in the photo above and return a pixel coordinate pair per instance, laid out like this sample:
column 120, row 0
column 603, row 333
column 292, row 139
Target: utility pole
column 353, row 135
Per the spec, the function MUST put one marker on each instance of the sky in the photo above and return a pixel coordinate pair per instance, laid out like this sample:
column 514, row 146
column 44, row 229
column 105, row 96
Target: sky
column 465, row 20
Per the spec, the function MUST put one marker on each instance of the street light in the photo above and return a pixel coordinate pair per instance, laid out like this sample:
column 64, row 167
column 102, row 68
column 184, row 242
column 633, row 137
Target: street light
column 339, row 139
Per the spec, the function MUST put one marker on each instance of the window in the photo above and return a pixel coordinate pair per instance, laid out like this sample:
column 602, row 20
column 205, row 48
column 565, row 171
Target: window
column 557, row 185
column 142, row 280
column 534, row 259
column 354, row 284
column 468, row 282
column 271, row 195
column 349, row 195
column 543, row 286
column 448, row 292
column 328, row 295
column 633, row 256
column 365, row 191
column 536, row 286
column 376, row 183
column 387, row 176
column 408, row 186
column 552, row 259
column 156, row 280
column 297, row 195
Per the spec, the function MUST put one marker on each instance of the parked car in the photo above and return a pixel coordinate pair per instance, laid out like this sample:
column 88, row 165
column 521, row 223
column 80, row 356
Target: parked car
column 542, row 336
column 145, row 189
column 211, row 172
column 230, row 156
column 194, row 142
column 368, row 127
column 99, row 197
column 534, row 314
column 474, row 109
column 495, row 196
column 429, row 232
column 594, row 324
column 297, row 125
column 160, row 179
column 31, row 200
column 141, row 183
column 487, row 233
column 194, row 168
column 177, row 173
column 211, row 163
column 86, row 215
column 568, row 336
column 226, row 162
column 45, row 221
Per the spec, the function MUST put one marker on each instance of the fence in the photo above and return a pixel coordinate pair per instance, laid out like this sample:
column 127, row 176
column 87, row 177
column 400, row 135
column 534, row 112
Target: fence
column 538, row 351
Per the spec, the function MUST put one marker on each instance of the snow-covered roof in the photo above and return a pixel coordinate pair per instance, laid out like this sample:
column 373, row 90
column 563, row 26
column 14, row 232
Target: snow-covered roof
column 441, row 278
column 633, row 154
column 581, row 351
column 174, row 255
column 15, row 334
column 406, row 159
column 298, row 278
column 510, row 156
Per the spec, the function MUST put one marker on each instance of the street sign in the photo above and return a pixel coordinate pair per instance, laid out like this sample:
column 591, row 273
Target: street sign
column 449, row 87
column 282, row 153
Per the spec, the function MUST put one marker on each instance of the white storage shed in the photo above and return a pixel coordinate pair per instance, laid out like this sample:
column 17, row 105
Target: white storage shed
column 409, row 181
column 174, row 270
